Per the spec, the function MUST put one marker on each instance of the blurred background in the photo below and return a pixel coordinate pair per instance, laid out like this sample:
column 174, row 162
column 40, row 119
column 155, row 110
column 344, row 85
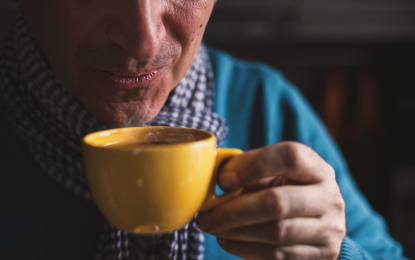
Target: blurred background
column 355, row 62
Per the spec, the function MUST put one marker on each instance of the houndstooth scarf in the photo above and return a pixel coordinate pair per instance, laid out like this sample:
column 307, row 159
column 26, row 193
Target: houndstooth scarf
column 52, row 123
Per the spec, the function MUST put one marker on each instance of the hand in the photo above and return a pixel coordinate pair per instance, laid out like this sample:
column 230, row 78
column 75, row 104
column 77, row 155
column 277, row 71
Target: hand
column 291, row 206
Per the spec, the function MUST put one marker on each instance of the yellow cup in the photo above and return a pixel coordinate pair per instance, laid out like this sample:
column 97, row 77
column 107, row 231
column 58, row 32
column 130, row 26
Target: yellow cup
column 153, row 179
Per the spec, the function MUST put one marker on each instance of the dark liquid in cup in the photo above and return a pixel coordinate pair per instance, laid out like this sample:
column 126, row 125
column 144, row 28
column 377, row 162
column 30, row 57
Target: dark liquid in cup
column 158, row 142
column 132, row 146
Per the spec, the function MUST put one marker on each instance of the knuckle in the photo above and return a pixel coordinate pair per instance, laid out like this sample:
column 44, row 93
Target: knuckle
column 291, row 155
column 291, row 255
column 339, row 231
column 276, row 204
column 338, row 202
column 276, row 254
column 330, row 172
column 332, row 252
column 280, row 231
column 335, row 233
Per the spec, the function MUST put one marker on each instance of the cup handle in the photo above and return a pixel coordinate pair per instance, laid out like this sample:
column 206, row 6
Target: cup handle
column 212, row 200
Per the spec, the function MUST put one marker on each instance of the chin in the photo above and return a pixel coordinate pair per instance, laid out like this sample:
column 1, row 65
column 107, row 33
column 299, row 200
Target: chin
column 117, row 107
column 116, row 116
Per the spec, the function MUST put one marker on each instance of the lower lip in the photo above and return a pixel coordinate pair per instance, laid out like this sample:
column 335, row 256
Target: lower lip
column 124, row 82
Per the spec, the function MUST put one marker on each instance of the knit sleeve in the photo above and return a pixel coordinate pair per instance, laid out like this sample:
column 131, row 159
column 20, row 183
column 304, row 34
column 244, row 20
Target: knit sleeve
column 351, row 250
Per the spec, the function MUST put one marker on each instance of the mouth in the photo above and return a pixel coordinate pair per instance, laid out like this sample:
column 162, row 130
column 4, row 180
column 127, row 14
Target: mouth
column 128, row 80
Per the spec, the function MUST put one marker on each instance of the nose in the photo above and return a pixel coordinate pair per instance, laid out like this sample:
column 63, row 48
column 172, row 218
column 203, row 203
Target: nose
column 138, row 28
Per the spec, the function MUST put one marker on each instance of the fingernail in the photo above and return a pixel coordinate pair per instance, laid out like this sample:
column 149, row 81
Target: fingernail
column 203, row 221
column 228, row 180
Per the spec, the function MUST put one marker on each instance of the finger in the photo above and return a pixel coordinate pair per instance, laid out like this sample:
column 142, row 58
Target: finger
column 292, row 160
column 307, row 231
column 263, row 206
column 254, row 251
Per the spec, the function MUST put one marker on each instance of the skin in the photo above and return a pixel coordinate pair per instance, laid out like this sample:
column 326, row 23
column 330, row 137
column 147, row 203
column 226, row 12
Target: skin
column 291, row 206
column 121, row 59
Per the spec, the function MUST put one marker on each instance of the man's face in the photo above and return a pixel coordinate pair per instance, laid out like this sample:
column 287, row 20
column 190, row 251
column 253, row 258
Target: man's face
column 119, row 58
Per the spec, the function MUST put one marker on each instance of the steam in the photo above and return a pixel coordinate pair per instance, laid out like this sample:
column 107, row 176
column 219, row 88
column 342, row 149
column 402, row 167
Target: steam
column 151, row 137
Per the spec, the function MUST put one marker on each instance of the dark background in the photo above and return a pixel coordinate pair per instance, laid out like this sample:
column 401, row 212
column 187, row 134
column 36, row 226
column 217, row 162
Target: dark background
column 354, row 61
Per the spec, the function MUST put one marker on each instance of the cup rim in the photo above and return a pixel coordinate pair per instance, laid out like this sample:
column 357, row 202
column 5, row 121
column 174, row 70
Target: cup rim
column 89, row 138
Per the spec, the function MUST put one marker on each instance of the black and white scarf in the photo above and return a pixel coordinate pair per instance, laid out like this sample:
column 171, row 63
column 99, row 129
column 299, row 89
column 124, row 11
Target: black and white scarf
column 52, row 122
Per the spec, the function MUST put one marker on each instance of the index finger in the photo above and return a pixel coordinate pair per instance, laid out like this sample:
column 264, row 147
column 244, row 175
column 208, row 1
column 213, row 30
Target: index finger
column 292, row 160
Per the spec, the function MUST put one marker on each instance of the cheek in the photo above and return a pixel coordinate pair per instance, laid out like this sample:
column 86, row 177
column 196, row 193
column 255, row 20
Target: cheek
column 47, row 20
column 189, row 19
column 186, row 21
column 82, row 26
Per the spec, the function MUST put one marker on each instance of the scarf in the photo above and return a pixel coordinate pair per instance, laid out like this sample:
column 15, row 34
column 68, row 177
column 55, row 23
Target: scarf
column 52, row 123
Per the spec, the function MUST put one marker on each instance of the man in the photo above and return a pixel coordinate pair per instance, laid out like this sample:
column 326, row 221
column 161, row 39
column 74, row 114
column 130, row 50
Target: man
column 72, row 67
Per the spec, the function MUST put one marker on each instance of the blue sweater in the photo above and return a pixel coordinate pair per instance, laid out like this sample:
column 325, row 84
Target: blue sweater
column 262, row 108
